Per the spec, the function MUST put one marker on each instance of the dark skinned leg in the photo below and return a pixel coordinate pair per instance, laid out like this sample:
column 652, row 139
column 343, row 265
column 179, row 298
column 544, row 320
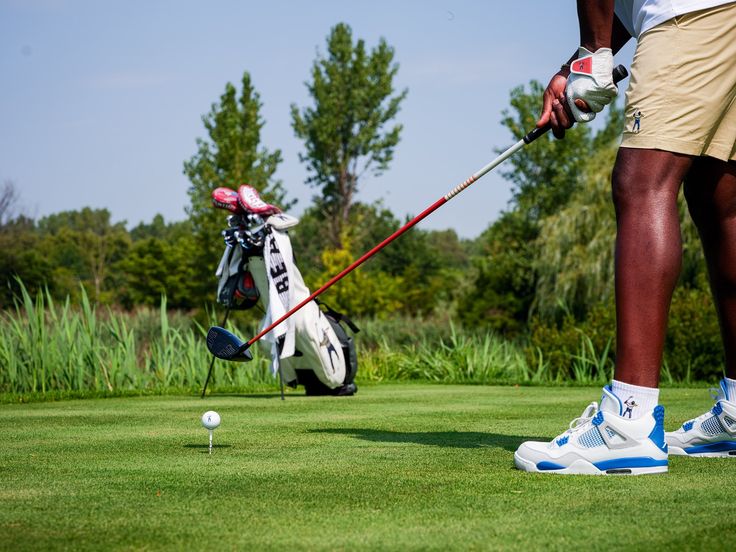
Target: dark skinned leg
column 648, row 257
column 710, row 190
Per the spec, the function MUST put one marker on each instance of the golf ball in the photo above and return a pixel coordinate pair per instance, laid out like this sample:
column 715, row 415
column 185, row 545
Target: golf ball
column 210, row 419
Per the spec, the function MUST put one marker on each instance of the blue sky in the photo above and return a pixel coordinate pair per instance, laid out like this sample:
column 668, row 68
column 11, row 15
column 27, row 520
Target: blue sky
column 101, row 102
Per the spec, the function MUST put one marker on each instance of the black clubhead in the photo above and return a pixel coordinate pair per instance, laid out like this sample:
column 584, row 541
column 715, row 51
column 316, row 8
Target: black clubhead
column 227, row 346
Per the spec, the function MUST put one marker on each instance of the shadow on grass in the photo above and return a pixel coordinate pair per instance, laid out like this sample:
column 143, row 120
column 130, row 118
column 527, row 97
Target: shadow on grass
column 455, row 439
column 253, row 395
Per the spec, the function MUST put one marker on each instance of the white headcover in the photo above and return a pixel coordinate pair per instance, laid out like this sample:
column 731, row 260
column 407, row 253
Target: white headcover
column 282, row 221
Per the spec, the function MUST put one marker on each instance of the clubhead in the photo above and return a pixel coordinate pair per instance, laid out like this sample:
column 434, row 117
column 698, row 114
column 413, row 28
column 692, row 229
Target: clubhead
column 227, row 346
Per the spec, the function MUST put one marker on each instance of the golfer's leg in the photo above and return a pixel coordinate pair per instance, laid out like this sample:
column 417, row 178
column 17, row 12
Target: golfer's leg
column 648, row 257
column 710, row 190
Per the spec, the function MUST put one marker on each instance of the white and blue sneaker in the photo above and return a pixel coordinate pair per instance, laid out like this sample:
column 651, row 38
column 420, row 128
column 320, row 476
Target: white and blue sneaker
column 601, row 442
column 710, row 434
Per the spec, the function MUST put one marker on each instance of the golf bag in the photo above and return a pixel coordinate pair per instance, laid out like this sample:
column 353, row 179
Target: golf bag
column 310, row 348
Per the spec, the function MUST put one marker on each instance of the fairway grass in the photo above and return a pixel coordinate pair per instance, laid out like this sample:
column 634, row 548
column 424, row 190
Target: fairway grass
column 397, row 467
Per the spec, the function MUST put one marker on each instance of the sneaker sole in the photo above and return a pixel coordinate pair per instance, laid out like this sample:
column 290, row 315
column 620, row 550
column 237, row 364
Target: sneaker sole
column 582, row 467
column 677, row 451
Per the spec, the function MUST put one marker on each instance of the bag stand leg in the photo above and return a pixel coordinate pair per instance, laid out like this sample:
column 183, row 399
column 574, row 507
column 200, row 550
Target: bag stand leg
column 212, row 362
column 281, row 382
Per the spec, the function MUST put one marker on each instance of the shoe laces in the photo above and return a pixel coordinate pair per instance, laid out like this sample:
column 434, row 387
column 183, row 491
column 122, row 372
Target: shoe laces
column 581, row 421
column 716, row 393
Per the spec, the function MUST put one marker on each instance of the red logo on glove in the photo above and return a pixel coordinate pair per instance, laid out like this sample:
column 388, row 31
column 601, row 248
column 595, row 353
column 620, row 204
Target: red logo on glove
column 582, row 66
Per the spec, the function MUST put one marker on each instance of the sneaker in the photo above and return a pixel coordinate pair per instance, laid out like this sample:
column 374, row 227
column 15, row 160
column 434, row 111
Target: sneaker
column 601, row 442
column 710, row 434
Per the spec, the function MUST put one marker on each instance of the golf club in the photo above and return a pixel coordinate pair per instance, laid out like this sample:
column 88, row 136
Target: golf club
column 227, row 346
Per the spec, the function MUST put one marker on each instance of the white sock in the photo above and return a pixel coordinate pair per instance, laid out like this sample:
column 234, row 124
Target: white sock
column 635, row 400
column 730, row 386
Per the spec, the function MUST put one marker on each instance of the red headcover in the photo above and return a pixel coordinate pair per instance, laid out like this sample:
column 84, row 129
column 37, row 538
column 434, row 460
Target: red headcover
column 225, row 198
column 252, row 202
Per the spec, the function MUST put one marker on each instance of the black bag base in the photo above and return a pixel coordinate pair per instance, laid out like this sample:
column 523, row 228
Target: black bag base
column 315, row 388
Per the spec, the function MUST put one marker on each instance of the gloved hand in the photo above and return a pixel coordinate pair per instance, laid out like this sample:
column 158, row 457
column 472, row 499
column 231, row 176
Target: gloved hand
column 591, row 81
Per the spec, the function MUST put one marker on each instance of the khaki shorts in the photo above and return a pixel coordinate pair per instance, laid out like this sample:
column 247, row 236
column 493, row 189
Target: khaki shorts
column 682, row 93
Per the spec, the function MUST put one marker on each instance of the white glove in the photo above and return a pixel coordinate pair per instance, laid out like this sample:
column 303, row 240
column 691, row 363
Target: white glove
column 591, row 80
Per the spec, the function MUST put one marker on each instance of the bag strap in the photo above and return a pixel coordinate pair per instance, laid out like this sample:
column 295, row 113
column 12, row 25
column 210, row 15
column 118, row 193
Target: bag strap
column 338, row 316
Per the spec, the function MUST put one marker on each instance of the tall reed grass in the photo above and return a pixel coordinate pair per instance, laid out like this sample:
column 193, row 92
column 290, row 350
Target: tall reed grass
column 409, row 349
column 46, row 346
column 49, row 347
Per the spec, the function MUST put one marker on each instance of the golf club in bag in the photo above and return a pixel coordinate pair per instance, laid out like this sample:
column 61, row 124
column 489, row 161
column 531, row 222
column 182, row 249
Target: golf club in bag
column 226, row 346
column 258, row 268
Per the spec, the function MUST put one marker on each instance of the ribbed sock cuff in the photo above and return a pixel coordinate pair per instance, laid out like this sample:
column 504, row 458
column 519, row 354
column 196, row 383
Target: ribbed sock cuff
column 635, row 400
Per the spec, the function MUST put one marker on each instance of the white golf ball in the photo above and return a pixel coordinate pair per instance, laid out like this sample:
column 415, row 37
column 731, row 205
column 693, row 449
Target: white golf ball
column 210, row 419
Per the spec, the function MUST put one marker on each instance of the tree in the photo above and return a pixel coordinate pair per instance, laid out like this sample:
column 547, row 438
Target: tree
column 360, row 293
column 545, row 177
column 546, row 174
column 575, row 260
column 426, row 266
column 8, row 202
column 162, row 260
column 82, row 246
column 230, row 157
column 155, row 267
column 22, row 257
column 503, row 280
column 347, row 133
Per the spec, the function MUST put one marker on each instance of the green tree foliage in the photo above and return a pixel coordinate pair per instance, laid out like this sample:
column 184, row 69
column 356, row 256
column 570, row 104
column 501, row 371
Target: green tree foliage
column 575, row 260
column 503, row 286
column 692, row 351
column 162, row 261
column 82, row 246
column 546, row 174
column 544, row 177
column 428, row 267
column 230, row 156
column 22, row 257
column 430, row 263
column 360, row 293
column 346, row 133
column 693, row 347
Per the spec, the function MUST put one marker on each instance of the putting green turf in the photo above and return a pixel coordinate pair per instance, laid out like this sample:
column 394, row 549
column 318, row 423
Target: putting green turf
column 400, row 467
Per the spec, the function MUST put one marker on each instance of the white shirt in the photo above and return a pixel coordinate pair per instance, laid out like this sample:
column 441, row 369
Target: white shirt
column 638, row 16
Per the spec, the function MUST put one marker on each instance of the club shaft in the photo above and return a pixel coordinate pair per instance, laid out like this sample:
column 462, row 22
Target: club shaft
column 212, row 362
column 421, row 216
column 619, row 73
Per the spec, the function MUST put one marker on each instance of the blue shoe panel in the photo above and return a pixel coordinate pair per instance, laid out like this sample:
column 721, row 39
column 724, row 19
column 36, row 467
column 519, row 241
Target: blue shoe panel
column 545, row 466
column 721, row 446
column 657, row 434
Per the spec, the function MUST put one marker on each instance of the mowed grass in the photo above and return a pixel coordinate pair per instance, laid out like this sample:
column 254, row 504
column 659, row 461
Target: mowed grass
column 397, row 467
